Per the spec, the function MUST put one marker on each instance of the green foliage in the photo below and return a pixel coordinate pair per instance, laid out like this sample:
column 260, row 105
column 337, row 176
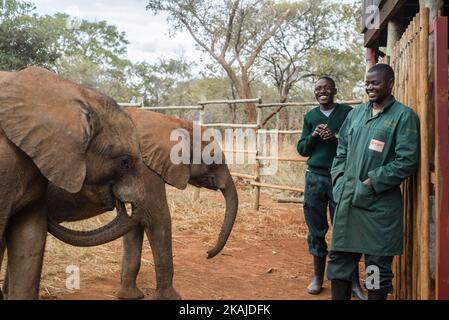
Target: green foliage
column 232, row 33
column 156, row 81
column 99, row 42
column 319, row 38
column 112, row 81
column 23, row 39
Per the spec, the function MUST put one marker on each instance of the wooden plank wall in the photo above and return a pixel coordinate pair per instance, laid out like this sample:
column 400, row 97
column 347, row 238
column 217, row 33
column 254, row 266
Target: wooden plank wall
column 410, row 63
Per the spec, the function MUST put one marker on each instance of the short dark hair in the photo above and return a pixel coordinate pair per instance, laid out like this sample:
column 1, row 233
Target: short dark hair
column 328, row 79
column 383, row 68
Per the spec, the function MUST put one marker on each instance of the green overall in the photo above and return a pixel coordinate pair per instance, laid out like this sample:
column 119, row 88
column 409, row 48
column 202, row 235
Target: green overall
column 386, row 149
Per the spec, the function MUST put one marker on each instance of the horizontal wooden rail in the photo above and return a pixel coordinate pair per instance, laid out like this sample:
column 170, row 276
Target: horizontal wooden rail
column 242, row 175
column 275, row 186
column 302, row 104
column 281, row 131
column 230, row 125
column 292, row 159
column 239, row 151
column 174, row 108
column 258, row 100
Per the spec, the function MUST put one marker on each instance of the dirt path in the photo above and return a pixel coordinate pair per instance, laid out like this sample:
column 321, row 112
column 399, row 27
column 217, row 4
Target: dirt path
column 265, row 257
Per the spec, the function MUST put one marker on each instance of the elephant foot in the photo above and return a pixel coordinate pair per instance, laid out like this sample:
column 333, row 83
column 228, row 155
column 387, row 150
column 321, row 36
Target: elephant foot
column 167, row 294
column 130, row 293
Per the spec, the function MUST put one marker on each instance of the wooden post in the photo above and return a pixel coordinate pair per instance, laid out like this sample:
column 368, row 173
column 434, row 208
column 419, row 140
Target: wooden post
column 423, row 98
column 442, row 158
column 434, row 119
column 434, row 7
column 256, row 188
column 392, row 38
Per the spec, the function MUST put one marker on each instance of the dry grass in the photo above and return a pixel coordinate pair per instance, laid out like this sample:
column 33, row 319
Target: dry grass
column 203, row 218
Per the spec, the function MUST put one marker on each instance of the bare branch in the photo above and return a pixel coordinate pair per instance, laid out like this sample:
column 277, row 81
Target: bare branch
column 265, row 38
column 229, row 28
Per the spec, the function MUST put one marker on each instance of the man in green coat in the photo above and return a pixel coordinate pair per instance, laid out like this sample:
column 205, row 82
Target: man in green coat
column 319, row 142
column 378, row 149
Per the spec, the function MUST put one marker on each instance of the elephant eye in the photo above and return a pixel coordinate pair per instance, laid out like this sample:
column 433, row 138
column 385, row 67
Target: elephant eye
column 125, row 163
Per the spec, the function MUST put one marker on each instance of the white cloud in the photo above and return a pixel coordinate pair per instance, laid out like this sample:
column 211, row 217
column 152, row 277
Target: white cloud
column 147, row 33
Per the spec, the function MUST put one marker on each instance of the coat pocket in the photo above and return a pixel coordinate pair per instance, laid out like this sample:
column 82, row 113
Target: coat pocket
column 337, row 190
column 364, row 196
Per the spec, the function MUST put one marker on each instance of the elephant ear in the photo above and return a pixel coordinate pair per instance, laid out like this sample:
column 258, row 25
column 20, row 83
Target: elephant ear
column 154, row 130
column 47, row 118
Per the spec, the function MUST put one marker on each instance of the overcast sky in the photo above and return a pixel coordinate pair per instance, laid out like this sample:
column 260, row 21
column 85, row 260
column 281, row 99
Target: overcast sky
column 148, row 34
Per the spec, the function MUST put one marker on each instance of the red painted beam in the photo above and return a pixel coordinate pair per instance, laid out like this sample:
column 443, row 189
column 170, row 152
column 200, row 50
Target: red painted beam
column 370, row 56
column 442, row 157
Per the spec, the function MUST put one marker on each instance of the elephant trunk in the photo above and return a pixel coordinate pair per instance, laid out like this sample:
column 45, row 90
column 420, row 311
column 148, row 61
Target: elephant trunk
column 232, row 204
column 115, row 229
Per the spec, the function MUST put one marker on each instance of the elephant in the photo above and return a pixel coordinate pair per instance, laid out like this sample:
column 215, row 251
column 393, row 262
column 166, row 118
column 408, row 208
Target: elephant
column 154, row 130
column 55, row 132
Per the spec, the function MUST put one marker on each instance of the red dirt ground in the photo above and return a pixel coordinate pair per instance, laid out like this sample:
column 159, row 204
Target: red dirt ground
column 259, row 262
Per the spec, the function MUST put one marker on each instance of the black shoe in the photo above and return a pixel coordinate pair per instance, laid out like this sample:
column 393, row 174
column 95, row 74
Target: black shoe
column 316, row 285
column 341, row 290
column 356, row 289
column 373, row 295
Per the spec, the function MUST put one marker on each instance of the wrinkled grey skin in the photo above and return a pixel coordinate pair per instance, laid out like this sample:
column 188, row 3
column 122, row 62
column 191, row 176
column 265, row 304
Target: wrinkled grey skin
column 52, row 130
column 154, row 214
column 154, row 131
column 159, row 231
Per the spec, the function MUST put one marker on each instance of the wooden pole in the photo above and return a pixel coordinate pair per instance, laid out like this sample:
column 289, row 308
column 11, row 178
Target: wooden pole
column 392, row 38
column 424, row 163
column 434, row 119
column 442, row 158
column 275, row 186
column 256, row 188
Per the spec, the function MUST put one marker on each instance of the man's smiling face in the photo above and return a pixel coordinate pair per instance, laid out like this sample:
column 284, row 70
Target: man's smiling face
column 324, row 92
column 378, row 86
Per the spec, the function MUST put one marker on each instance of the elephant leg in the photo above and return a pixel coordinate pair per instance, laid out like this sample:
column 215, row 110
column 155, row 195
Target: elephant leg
column 25, row 242
column 160, row 237
column 132, row 253
column 5, row 285
column 2, row 252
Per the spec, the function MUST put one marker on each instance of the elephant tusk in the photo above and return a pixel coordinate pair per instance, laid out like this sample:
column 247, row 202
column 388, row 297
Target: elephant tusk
column 129, row 208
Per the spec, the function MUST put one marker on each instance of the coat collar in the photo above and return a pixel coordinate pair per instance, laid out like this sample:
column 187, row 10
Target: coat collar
column 369, row 106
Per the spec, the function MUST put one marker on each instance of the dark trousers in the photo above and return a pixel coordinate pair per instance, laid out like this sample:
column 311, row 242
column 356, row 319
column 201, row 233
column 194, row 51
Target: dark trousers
column 317, row 199
column 341, row 266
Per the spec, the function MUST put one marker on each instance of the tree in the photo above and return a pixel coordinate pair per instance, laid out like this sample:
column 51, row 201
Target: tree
column 91, row 54
column 233, row 33
column 316, row 41
column 99, row 42
column 156, row 81
column 23, row 39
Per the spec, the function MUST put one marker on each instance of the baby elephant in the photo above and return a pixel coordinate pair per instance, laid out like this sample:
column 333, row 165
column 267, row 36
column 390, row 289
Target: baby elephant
column 54, row 131
column 154, row 131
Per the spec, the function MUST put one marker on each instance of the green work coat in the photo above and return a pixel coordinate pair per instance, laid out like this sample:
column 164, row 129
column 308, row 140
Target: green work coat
column 384, row 148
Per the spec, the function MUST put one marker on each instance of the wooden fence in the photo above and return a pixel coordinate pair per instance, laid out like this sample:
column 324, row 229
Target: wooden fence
column 410, row 62
column 255, row 178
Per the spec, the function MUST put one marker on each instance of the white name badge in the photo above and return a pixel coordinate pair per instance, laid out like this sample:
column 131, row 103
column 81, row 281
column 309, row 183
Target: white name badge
column 376, row 145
